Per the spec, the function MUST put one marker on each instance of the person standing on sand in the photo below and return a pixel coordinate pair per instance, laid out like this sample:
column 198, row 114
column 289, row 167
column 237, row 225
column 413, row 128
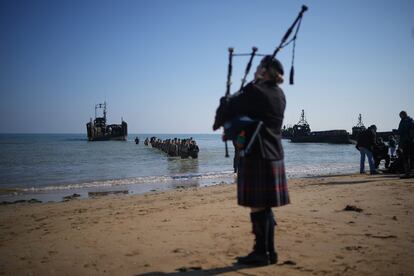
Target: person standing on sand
column 261, row 181
column 406, row 132
column 365, row 145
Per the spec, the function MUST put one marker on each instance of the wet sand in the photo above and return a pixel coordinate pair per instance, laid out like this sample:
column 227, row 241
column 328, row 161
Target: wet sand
column 336, row 225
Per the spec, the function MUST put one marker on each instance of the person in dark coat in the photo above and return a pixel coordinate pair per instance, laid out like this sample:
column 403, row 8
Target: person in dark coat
column 397, row 164
column 365, row 144
column 261, row 181
column 406, row 132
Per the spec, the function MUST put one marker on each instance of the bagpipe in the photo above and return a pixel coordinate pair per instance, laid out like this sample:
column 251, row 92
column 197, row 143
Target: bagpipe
column 236, row 126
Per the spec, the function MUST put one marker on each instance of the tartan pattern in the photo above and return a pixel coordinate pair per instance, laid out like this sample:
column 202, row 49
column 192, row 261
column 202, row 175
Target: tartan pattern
column 262, row 183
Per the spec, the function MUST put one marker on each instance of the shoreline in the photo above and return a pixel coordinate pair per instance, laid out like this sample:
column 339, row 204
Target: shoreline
column 20, row 195
column 16, row 195
column 202, row 229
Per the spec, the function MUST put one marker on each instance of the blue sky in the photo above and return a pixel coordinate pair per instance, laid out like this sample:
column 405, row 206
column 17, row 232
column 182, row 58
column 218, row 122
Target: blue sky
column 162, row 65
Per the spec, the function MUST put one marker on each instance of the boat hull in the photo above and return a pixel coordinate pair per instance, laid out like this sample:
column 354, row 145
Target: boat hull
column 330, row 137
column 109, row 138
column 329, row 140
column 107, row 133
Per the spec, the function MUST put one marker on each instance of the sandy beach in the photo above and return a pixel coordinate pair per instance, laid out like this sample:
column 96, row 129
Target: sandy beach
column 200, row 231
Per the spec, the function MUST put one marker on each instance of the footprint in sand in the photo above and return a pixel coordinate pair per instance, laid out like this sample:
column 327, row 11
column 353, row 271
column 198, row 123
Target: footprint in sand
column 44, row 260
column 133, row 253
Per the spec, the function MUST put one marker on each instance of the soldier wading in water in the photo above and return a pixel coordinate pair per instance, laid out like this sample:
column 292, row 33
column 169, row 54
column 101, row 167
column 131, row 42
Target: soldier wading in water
column 261, row 181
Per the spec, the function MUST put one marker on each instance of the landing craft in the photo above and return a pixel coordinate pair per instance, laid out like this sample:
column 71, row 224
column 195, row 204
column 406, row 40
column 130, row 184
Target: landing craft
column 98, row 130
column 301, row 133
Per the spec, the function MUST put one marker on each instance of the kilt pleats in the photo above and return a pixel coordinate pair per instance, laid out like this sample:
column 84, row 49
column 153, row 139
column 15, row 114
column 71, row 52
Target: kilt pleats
column 262, row 183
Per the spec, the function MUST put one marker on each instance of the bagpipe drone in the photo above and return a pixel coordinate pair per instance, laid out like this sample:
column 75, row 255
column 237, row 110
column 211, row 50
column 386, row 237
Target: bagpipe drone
column 235, row 126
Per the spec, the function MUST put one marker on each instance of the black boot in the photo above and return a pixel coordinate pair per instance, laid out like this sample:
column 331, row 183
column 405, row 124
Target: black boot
column 271, row 237
column 258, row 257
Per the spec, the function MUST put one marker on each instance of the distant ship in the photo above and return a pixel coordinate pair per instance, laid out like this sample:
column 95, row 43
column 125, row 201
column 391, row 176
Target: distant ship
column 98, row 130
column 358, row 128
column 287, row 132
column 301, row 133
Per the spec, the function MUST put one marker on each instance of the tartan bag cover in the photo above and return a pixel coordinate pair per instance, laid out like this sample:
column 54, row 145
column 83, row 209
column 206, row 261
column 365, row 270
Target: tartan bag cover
column 262, row 183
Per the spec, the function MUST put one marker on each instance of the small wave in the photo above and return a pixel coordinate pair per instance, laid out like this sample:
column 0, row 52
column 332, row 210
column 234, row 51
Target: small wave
column 317, row 170
column 131, row 181
column 291, row 171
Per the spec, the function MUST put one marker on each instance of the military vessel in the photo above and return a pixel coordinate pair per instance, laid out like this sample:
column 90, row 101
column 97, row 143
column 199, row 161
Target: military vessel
column 287, row 132
column 301, row 133
column 358, row 128
column 98, row 130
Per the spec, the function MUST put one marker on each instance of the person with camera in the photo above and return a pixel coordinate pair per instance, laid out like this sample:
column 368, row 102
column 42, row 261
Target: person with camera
column 381, row 153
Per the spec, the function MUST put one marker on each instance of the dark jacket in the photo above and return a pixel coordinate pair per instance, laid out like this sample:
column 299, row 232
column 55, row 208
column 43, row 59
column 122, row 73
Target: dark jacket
column 264, row 102
column 366, row 139
column 380, row 150
column 405, row 128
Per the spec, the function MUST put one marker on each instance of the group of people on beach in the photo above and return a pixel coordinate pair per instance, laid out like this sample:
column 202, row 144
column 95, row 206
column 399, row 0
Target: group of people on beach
column 184, row 148
column 398, row 153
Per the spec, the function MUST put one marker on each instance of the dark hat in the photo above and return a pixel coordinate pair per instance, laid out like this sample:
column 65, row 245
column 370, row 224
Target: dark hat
column 270, row 62
column 403, row 114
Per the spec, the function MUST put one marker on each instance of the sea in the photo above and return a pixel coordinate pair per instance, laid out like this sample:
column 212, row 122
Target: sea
column 49, row 167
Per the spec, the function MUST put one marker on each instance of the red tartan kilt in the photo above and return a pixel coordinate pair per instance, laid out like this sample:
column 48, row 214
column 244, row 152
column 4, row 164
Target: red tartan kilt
column 261, row 183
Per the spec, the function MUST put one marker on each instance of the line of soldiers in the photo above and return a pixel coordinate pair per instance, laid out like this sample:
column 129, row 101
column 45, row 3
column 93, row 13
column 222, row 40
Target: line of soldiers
column 184, row 148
